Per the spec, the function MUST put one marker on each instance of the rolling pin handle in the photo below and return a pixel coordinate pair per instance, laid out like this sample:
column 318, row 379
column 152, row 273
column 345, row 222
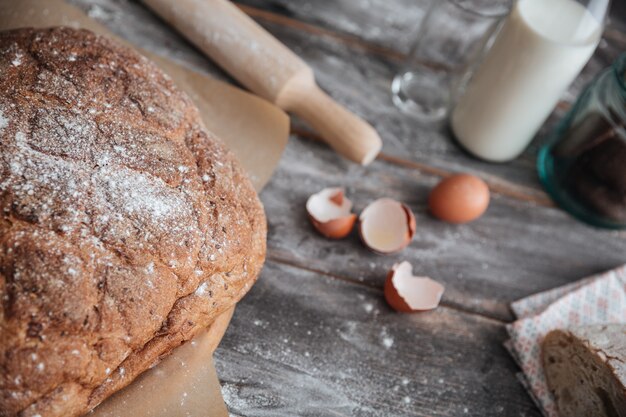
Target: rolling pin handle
column 345, row 132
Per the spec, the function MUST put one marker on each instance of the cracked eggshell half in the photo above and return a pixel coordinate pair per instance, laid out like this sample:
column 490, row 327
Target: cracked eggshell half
column 386, row 226
column 407, row 293
column 330, row 213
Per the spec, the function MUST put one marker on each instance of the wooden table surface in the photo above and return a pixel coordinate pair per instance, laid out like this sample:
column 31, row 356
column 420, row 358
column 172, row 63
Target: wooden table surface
column 315, row 336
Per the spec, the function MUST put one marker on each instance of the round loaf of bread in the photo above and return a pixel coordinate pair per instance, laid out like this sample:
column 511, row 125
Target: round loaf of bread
column 125, row 226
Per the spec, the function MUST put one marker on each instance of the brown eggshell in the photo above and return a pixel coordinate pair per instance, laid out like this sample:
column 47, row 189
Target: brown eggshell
column 390, row 218
column 394, row 299
column 407, row 293
column 329, row 213
column 412, row 224
column 459, row 198
column 335, row 229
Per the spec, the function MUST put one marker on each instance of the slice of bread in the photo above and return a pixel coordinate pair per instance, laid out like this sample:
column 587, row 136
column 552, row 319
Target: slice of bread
column 585, row 369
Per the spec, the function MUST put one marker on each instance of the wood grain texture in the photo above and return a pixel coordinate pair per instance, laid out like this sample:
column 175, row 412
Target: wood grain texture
column 515, row 249
column 452, row 358
column 387, row 24
column 305, row 345
column 391, row 26
column 351, row 75
column 355, row 77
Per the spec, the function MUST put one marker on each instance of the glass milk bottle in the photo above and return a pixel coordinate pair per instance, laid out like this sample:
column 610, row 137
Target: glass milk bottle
column 542, row 46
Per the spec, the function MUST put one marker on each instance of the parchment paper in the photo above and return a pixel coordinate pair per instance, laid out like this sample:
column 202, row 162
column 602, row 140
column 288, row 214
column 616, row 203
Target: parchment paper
column 185, row 383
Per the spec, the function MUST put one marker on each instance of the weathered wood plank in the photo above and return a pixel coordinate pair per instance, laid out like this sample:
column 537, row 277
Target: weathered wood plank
column 389, row 28
column 362, row 82
column 306, row 345
column 354, row 77
column 299, row 25
column 391, row 25
column 515, row 249
column 343, row 366
column 506, row 237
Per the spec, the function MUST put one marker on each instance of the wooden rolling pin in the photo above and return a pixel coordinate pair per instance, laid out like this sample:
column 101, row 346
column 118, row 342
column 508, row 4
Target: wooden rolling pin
column 268, row 68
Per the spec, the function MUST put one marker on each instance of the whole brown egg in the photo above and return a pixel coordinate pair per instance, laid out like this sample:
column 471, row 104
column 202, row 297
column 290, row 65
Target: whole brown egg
column 459, row 198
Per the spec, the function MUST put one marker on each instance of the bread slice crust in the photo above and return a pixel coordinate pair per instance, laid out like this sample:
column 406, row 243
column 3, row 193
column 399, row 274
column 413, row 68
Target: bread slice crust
column 585, row 369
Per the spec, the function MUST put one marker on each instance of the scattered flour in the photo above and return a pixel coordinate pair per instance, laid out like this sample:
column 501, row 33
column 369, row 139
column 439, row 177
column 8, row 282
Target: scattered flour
column 97, row 12
column 17, row 61
column 4, row 122
column 202, row 289
column 387, row 341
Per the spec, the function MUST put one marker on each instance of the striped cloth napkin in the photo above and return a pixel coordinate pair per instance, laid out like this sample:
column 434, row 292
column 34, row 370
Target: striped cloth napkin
column 597, row 299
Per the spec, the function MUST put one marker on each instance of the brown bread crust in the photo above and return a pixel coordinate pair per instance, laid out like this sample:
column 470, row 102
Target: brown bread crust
column 125, row 226
column 585, row 369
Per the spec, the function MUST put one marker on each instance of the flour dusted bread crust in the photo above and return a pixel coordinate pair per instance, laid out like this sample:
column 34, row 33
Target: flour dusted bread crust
column 586, row 370
column 125, row 226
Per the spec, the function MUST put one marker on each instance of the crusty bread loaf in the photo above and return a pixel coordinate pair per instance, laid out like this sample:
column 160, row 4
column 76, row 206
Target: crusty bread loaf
column 586, row 370
column 125, row 227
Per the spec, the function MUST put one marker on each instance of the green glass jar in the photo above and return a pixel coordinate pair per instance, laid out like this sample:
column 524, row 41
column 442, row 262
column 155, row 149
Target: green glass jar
column 583, row 164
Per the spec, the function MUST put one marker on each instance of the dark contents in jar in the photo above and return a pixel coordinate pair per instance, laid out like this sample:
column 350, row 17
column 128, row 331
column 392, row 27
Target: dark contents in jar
column 591, row 160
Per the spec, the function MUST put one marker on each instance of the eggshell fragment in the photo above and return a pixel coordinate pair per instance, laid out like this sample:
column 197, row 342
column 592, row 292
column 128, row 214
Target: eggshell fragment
column 386, row 226
column 407, row 293
column 459, row 198
column 330, row 213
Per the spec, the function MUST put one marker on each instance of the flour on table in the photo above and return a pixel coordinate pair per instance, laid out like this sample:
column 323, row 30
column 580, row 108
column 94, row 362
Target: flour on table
column 17, row 61
column 386, row 340
column 4, row 122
